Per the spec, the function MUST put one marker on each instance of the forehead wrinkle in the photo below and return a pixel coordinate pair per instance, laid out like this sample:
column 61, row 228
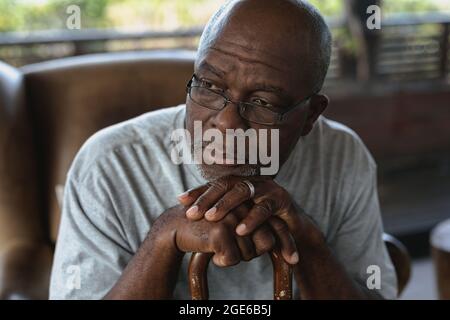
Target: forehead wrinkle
column 253, row 49
column 258, row 86
column 243, row 59
column 205, row 64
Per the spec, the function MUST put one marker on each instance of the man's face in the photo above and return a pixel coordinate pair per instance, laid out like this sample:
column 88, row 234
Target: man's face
column 250, row 71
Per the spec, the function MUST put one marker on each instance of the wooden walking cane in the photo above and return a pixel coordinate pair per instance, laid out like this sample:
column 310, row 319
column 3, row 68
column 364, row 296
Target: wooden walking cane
column 198, row 282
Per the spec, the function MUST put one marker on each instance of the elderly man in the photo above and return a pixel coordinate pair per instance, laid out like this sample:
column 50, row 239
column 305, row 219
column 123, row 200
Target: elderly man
column 261, row 66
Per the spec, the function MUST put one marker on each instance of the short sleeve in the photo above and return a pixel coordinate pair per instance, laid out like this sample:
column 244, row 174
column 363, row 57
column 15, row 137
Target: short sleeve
column 92, row 250
column 358, row 243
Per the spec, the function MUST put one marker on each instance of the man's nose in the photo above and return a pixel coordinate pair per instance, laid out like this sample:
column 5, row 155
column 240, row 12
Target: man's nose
column 229, row 118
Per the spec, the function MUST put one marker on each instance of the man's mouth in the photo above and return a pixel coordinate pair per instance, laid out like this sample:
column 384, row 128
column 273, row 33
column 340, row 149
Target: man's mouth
column 213, row 154
column 225, row 159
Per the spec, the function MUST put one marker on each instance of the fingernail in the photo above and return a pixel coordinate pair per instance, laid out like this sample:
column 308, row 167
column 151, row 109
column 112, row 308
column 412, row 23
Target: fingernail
column 192, row 211
column 294, row 258
column 210, row 212
column 240, row 230
column 183, row 195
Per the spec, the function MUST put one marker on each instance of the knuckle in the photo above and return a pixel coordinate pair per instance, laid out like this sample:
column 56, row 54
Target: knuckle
column 221, row 203
column 201, row 201
column 241, row 187
column 264, row 242
column 217, row 187
column 265, row 245
column 220, row 184
column 279, row 226
column 218, row 232
column 264, row 208
column 265, row 237
column 270, row 203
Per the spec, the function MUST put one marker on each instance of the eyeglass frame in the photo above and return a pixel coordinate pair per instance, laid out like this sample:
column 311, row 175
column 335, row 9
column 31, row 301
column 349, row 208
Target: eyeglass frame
column 239, row 104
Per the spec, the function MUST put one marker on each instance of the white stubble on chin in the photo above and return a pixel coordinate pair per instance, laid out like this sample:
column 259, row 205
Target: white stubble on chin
column 211, row 173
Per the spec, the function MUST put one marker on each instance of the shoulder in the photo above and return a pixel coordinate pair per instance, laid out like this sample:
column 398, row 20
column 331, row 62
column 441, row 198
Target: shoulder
column 340, row 144
column 121, row 140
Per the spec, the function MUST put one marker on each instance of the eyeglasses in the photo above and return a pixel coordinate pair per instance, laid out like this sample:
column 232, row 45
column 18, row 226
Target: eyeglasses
column 249, row 111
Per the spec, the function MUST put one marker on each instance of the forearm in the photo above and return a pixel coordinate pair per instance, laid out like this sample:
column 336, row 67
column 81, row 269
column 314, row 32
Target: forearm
column 318, row 274
column 153, row 271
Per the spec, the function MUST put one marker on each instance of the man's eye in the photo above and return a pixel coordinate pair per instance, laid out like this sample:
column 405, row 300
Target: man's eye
column 261, row 102
column 209, row 85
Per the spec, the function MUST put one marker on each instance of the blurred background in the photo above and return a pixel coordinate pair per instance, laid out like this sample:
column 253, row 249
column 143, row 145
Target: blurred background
column 391, row 85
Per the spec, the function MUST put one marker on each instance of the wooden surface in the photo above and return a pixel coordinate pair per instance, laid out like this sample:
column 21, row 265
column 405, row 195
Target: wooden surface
column 440, row 250
column 198, row 282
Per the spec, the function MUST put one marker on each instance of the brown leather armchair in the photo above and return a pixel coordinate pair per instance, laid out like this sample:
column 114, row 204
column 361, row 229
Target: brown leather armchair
column 47, row 111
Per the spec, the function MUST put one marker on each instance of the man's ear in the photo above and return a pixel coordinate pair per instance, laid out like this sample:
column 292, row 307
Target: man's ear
column 317, row 105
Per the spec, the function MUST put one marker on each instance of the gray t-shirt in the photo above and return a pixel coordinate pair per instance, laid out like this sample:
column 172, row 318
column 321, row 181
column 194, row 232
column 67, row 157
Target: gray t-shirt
column 123, row 178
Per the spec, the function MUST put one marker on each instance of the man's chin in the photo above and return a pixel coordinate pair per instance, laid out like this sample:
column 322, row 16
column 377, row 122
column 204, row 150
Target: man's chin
column 212, row 172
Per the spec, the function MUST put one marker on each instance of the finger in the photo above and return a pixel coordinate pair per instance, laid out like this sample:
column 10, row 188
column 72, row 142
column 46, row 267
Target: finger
column 246, row 248
column 256, row 217
column 263, row 239
column 187, row 198
column 206, row 200
column 242, row 210
column 230, row 200
column 225, row 247
column 285, row 240
column 245, row 244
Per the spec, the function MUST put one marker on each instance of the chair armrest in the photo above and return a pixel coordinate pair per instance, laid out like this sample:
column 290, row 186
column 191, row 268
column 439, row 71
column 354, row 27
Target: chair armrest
column 400, row 259
column 25, row 270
